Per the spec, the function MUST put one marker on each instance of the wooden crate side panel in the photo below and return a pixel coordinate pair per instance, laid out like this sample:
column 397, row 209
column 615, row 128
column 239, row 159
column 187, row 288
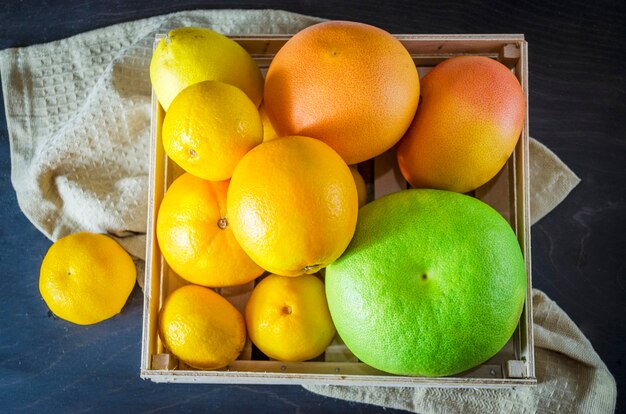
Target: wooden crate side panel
column 321, row 378
column 524, row 219
column 152, row 282
column 433, row 48
column 423, row 44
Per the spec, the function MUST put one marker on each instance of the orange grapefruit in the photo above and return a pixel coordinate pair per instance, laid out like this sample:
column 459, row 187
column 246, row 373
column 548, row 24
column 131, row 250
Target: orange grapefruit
column 351, row 85
column 469, row 119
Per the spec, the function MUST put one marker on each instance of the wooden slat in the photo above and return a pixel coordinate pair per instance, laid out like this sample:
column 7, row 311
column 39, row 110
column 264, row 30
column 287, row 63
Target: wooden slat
column 323, row 373
column 337, row 351
column 340, row 368
column 153, row 255
column 498, row 191
column 387, row 176
column 424, row 44
column 523, row 206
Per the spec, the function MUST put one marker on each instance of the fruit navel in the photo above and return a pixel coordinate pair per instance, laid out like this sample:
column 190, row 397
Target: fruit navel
column 311, row 267
column 222, row 223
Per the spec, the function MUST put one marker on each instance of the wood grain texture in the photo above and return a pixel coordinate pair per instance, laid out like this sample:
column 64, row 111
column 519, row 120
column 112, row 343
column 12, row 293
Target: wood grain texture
column 578, row 109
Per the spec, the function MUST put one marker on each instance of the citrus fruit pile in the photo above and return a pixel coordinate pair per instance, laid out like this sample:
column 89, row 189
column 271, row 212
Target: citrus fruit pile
column 421, row 282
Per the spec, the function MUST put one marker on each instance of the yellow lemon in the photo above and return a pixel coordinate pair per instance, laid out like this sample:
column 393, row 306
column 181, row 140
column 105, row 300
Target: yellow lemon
column 288, row 318
column 209, row 127
column 201, row 328
column 86, row 278
column 188, row 55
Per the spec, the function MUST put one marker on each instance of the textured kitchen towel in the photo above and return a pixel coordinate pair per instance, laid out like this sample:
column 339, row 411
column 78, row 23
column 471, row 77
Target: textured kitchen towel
column 78, row 115
column 571, row 378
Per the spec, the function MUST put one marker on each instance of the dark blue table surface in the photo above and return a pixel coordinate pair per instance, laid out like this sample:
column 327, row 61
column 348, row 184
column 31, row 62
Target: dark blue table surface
column 577, row 108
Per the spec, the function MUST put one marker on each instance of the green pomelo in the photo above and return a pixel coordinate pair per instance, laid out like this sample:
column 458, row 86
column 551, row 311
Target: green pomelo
column 433, row 283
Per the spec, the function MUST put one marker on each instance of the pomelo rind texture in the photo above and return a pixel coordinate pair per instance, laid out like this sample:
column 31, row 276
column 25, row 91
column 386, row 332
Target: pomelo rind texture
column 432, row 284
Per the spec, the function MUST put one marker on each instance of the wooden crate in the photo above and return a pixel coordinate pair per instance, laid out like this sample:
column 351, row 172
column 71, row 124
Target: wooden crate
column 508, row 193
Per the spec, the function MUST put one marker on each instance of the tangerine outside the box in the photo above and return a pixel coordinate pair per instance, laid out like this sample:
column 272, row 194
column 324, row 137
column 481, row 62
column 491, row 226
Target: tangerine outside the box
column 508, row 193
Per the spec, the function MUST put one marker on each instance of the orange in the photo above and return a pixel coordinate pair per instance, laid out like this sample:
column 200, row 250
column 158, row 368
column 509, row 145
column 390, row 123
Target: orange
column 195, row 235
column 208, row 128
column 292, row 205
column 86, row 278
column 188, row 55
column 351, row 85
column 433, row 283
column 269, row 133
column 360, row 185
column 468, row 122
column 201, row 328
column 288, row 318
